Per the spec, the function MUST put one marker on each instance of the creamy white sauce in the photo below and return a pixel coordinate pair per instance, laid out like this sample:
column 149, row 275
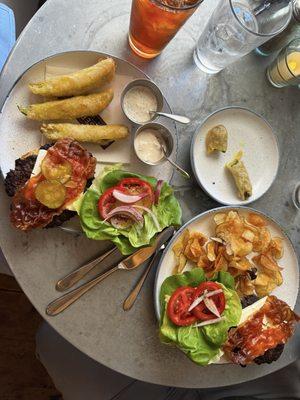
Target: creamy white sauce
column 138, row 102
column 148, row 146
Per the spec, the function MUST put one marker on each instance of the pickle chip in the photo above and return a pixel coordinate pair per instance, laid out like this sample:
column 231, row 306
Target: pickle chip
column 50, row 193
column 59, row 172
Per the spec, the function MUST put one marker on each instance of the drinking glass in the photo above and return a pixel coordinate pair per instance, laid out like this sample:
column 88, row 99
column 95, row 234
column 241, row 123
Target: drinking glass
column 236, row 27
column 285, row 69
column 153, row 23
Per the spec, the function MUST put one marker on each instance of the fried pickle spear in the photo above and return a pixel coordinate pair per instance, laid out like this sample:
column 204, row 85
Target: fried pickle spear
column 240, row 176
column 84, row 133
column 72, row 108
column 77, row 83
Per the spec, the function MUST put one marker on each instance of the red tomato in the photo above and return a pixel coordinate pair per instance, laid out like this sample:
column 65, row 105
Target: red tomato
column 179, row 304
column 136, row 186
column 106, row 202
column 201, row 312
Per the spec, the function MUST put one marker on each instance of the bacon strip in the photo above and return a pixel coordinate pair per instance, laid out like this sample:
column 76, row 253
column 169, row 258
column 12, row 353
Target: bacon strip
column 270, row 326
column 27, row 212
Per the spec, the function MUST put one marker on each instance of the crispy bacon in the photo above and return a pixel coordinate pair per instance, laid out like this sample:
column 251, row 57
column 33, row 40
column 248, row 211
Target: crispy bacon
column 27, row 212
column 270, row 326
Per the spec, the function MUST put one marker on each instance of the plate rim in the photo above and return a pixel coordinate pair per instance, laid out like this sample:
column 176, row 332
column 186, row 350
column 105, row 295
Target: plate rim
column 192, row 157
column 198, row 216
column 85, row 51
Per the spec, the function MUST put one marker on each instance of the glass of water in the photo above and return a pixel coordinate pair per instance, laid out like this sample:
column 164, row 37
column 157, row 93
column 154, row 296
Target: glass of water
column 236, row 27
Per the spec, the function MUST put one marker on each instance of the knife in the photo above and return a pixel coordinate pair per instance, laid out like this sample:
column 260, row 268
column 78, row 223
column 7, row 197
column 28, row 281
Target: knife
column 134, row 261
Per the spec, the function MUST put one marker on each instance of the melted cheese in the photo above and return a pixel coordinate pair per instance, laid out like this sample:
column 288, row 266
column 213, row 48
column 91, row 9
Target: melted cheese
column 250, row 310
column 37, row 166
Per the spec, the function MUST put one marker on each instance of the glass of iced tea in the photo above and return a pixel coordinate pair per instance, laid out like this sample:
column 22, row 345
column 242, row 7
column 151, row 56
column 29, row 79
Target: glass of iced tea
column 154, row 23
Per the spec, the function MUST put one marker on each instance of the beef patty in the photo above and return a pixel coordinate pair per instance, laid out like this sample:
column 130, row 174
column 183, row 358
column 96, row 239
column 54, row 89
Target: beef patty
column 270, row 355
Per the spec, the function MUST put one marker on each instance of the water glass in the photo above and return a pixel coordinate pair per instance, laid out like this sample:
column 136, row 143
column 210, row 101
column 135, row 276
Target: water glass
column 236, row 27
column 285, row 69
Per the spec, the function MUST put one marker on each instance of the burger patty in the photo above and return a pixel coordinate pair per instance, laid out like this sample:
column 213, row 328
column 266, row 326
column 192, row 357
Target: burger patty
column 248, row 300
column 16, row 178
column 270, row 355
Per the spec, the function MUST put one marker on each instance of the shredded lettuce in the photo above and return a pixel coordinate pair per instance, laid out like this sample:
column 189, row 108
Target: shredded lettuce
column 167, row 212
column 201, row 344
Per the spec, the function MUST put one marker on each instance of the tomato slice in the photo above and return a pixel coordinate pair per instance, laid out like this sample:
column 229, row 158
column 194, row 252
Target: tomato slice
column 201, row 312
column 178, row 305
column 136, row 186
column 106, row 202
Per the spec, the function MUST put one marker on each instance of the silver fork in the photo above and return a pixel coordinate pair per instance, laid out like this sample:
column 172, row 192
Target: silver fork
column 72, row 278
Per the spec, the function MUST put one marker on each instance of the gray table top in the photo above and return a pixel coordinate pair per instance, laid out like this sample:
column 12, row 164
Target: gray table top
column 96, row 324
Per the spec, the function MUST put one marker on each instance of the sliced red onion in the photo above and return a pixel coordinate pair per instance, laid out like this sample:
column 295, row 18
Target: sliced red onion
column 158, row 190
column 128, row 211
column 201, row 298
column 209, row 322
column 155, row 220
column 196, row 302
column 121, row 222
column 127, row 198
column 210, row 304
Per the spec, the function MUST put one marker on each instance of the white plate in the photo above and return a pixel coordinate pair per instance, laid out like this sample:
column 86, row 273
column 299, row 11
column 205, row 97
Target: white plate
column 204, row 223
column 19, row 135
column 247, row 131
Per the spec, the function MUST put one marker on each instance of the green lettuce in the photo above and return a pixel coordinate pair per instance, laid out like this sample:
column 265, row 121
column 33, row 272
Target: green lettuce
column 167, row 211
column 201, row 344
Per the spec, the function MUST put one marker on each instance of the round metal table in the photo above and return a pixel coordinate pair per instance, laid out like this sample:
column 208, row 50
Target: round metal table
column 97, row 325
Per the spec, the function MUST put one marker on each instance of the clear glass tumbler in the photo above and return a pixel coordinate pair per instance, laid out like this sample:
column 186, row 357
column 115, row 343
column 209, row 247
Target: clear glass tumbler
column 153, row 23
column 285, row 69
column 236, row 27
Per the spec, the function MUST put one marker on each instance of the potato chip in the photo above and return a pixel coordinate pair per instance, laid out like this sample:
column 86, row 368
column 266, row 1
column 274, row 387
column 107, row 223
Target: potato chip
column 219, row 218
column 264, row 261
column 221, row 264
column 187, row 252
column 177, row 248
column 256, row 220
column 248, row 235
column 240, row 247
column 204, row 262
column 195, row 248
column 181, row 264
column 200, row 237
column 262, row 291
column 210, row 250
column 261, row 245
column 181, row 243
column 276, row 248
column 242, row 264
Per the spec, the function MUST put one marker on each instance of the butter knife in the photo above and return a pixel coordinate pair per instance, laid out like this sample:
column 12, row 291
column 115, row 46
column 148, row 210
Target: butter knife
column 132, row 262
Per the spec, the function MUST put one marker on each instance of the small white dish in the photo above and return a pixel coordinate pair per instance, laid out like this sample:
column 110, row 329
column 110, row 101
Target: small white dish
column 247, row 131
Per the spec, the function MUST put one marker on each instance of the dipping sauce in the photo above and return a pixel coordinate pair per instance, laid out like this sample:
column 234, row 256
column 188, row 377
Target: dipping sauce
column 138, row 102
column 147, row 146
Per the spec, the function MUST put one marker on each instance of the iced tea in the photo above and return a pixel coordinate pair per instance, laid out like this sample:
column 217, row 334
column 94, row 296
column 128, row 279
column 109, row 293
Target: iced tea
column 154, row 23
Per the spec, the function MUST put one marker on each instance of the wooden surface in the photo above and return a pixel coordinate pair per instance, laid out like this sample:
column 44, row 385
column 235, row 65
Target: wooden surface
column 22, row 376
